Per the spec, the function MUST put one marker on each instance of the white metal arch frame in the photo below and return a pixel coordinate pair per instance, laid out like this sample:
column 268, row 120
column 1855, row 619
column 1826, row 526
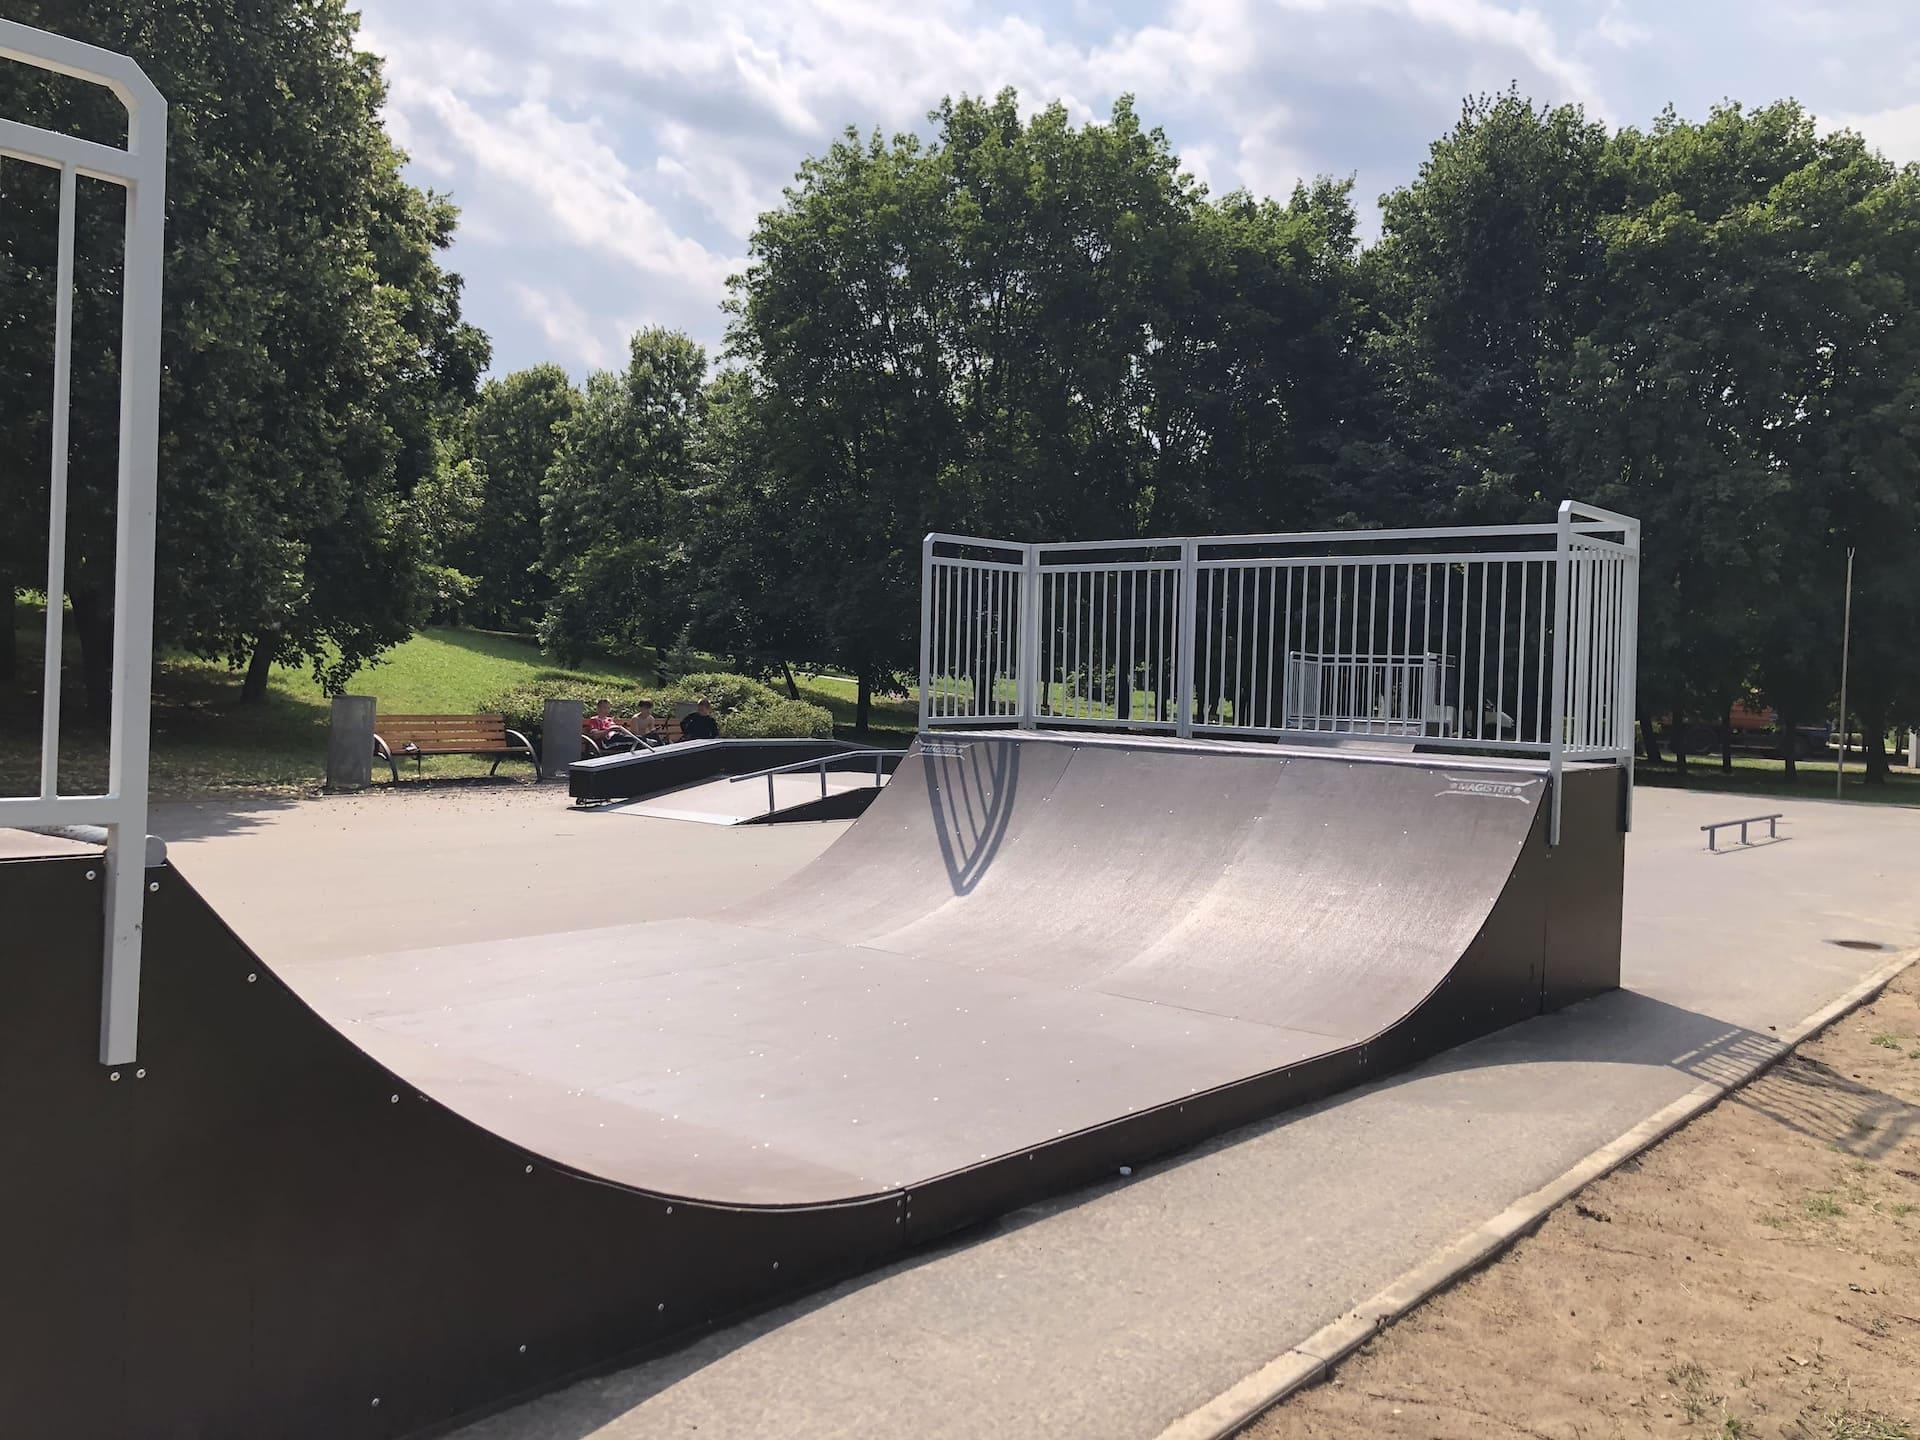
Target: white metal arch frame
column 140, row 170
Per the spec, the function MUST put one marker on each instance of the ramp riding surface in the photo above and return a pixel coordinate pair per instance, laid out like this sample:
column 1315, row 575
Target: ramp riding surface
column 500, row 1164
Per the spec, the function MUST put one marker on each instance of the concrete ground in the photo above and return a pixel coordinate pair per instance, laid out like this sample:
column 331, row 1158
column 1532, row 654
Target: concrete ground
column 1117, row 1310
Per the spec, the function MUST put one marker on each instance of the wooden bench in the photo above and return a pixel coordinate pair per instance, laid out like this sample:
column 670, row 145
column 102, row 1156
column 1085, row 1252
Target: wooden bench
column 397, row 736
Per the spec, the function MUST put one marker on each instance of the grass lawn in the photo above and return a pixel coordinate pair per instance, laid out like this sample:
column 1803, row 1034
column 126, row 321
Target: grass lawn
column 1765, row 777
column 894, row 718
column 205, row 742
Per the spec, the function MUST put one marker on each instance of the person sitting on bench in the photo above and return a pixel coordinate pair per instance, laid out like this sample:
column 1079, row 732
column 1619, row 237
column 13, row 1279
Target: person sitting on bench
column 645, row 724
column 700, row 725
column 600, row 724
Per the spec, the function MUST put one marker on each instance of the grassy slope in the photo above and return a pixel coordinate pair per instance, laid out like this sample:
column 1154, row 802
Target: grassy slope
column 205, row 741
column 894, row 717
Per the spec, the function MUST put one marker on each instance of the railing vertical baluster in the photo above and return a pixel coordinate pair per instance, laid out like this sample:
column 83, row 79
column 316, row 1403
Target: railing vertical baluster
column 926, row 630
column 57, row 494
column 1187, row 636
column 1556, row 761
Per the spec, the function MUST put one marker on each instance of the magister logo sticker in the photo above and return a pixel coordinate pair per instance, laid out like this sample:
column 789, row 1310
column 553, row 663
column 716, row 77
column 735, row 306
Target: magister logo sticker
column 1482, row 785
column 945, row 749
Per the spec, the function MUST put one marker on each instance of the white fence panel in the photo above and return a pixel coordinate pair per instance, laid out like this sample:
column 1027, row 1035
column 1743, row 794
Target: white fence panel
column 1511, row 639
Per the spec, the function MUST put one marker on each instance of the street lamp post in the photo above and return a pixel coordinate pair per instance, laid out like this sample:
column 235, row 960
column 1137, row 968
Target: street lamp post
column 1846, row 638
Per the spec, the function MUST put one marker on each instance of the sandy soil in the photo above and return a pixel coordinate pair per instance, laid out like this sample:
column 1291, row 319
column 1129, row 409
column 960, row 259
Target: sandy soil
column 1757, row 1275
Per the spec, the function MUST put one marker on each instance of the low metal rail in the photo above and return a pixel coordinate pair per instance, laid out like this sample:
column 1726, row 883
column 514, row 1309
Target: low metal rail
column 1713, row 830
column 879, row 762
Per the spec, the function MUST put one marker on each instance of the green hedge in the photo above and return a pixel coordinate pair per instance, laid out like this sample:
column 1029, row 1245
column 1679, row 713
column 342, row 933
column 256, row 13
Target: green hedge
column 747, row 708
column 784, row 719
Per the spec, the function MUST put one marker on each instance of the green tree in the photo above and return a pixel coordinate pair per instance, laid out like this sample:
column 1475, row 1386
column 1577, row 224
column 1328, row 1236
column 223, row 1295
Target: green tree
column 312, row 344
column 836, row 317
column 1030, row 328
column 614, row 519
column 512, row 434
column 740, row 526
column 1483, row 277
column 1747, row 388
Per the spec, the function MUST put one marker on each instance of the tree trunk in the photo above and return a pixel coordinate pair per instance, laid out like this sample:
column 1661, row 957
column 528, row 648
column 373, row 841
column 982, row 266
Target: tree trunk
column 93, row 627
column 1650, row 738
column 1679, row 740
column 793, row 686
column 1726, row 745
column 1873, row 742
column 862, row 704
column 253, row 690
column 1789, row 744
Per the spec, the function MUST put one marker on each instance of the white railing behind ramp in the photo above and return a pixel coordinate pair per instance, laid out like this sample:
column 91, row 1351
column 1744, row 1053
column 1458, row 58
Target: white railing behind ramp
column 121, row 810
column 1513, row 639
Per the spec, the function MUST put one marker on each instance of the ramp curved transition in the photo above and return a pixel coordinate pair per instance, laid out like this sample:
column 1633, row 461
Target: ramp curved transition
column 498, row 1165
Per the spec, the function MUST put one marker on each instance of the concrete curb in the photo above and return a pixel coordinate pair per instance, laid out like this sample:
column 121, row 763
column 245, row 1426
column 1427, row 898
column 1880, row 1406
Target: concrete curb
column 1310, row 1361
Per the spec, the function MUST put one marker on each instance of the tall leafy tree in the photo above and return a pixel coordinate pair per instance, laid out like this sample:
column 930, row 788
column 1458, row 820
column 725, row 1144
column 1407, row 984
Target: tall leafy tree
column 312, row 345
column 1482, row 278
column 513, row 435
column 615, row 507
column 1034, row 328
column 1747, row 388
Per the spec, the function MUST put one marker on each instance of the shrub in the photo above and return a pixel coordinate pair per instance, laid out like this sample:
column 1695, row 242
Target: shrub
column 782, row 720
column 748, row 709
column 729, row 693
column 525, row 705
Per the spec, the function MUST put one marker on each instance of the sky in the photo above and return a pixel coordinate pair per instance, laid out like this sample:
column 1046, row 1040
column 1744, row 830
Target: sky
column 609, row 156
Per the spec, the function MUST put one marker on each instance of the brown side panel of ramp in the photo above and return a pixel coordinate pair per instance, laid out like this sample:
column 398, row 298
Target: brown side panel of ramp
column 267, row 1234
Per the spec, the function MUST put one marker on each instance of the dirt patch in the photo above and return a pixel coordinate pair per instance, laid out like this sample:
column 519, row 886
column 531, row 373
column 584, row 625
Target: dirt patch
column 1756, row 1275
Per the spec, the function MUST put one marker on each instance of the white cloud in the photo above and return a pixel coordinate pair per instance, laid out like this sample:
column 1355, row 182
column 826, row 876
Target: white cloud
column 616, row 155
column 1895, row 132
column 582, row 188
column 567, row 326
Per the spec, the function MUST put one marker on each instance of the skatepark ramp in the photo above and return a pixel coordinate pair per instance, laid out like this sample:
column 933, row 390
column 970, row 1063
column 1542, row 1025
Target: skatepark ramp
column 437, row 1181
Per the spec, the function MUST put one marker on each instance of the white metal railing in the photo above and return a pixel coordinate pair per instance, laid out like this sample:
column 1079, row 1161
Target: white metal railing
column 1507, row 639
column 140, row 171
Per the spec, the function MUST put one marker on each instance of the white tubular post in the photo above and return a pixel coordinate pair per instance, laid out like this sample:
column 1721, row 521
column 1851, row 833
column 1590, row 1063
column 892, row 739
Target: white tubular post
column 1630, row 656
column 1028, row 684
column 1556, row 751
column 140, row 171
column 133, row 584
column 1189, row 627
column 57, row 493
column 926, row 629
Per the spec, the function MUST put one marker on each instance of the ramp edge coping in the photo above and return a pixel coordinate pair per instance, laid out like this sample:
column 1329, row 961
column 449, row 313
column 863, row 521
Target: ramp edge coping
column 97, row 835
column 1313, row 1359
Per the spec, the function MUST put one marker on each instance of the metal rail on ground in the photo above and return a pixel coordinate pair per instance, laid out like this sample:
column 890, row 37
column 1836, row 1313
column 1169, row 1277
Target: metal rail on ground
column 879, row 760
column 1712, row 831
